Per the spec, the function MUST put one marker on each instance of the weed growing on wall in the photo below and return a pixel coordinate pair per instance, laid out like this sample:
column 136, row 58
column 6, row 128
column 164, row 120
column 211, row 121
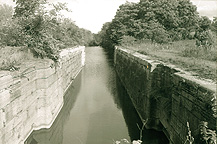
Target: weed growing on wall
column 206, row 135
column 125, row 141
column 12, row 57
column 189, row 138
column 39, row 26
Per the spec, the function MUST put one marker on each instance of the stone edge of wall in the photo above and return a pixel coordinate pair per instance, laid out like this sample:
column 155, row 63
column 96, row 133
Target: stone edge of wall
column 206, row 88
column 152, row 64
column 40, row 83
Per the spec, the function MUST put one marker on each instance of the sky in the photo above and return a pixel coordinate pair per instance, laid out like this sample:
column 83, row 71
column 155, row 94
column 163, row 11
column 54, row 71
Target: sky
column 92, row 14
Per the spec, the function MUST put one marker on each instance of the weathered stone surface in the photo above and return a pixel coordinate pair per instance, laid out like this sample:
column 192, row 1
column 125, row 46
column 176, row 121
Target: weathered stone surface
column 165, row 95
column 32, row 99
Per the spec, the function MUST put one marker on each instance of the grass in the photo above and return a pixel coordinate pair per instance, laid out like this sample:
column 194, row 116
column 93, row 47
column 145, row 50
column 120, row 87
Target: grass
column 184, row 54
column 12, row 57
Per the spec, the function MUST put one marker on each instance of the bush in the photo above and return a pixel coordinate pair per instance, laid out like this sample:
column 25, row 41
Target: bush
column 12, row 57
column 10, row 32
column 206, row 39
column 45, row 31
column 205, row 47
column 127, row 41
column 206, row 135
column 200, row 52
column 157, row 33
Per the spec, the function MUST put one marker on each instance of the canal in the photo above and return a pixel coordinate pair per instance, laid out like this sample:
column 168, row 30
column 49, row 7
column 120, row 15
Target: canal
column 96, row 110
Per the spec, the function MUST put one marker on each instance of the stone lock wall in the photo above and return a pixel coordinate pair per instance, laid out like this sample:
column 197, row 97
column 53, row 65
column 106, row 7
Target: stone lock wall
column 166, row 96
column 31, row 99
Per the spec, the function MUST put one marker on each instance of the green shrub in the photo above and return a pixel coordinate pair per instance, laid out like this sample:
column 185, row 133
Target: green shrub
column 12, row 57
column 157, row 33
column 200, row 52
column 204, row 48
column 44, row 31
column 206, row 39
column 127, row 41
column 206, row 135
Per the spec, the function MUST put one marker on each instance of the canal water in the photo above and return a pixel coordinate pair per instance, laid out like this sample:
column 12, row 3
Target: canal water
column 96, row 110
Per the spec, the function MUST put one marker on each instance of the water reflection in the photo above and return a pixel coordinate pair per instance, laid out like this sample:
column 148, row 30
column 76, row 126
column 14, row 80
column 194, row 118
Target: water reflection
column 94, row 118
column 123, row 102
column 97, row 109
column 54, row 135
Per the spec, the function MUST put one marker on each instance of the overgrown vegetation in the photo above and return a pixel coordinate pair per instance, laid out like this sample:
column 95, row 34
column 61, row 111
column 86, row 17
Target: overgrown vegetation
column 12, row 57
column 206, row 135
column 159, row 21
column 184, row 54
column 189, row 137
column 139, row 141
column 39, row 26
column 170, row 30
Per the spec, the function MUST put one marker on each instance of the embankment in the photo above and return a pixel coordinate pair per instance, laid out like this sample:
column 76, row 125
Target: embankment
column 31, row 99
column 166, row 96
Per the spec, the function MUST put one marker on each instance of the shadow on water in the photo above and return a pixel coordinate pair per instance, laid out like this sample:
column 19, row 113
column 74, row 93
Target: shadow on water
column 54, row 135
column 132, row 119
column 109, row 53
column 103, row 111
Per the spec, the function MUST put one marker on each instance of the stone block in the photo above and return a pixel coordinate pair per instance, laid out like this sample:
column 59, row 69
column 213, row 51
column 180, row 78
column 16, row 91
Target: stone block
column 2, row 136
column 9, row 115
column 2, row 119
column 29, row 75
column 205, row 94
column 4, row 98
column 28, row 89
column 31, row 99
column 41, row 84
column 6, row 81
column 15, row 93
column 8, row 137
column 191, row 98
column 51, row 79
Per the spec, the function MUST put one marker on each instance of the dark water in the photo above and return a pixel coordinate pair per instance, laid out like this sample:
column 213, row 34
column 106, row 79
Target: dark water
column 97, row 109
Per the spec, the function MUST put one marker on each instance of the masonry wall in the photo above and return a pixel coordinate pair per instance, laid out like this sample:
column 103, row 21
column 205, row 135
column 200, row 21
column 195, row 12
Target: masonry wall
column 32, row 98
column 165, row 96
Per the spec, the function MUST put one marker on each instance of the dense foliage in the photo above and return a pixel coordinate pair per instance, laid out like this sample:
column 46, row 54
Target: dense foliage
column 9, row 29
column 40, row 26
column 158, row 21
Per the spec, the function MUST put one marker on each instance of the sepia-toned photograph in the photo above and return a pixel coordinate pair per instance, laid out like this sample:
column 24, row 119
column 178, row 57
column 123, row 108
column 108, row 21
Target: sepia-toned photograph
column 108, row 71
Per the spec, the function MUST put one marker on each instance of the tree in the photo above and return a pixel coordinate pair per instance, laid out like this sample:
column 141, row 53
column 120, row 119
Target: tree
column 188, row 18
column 127, row 15
column 214, row 25
column 204, row 23
column 163, row 11
column 36, row 24
column 178, row 17
column 9, row 29
column 166, row 13
column 204, row 36
column 159, row 21
column 124, row 23
column 156, row 32
column 105, row 36
column 6, row 12
column 45, row 31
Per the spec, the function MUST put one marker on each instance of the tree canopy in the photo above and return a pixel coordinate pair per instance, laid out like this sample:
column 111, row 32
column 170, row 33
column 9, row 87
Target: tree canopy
column 159, row 21
column 40, row 26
